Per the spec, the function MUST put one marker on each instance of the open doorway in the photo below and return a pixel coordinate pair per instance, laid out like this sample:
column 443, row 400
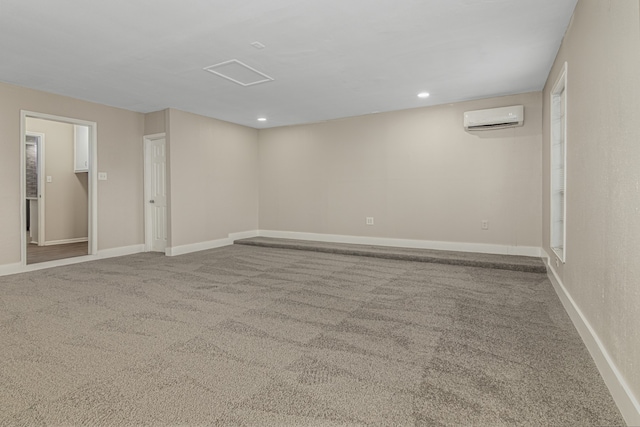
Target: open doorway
column 59, row 210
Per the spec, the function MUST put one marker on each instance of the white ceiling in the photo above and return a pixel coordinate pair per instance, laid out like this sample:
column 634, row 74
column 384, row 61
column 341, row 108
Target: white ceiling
column 328, row 58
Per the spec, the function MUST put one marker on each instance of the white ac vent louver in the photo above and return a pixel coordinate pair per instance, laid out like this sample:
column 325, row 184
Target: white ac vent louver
column 494, row 118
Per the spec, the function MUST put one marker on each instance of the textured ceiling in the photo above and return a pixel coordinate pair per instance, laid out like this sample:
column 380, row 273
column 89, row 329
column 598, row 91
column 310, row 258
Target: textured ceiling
column 329, row 58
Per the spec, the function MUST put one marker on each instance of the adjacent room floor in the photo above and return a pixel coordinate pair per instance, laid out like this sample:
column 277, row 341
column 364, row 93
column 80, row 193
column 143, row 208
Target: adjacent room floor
column 37, row 254
column 247, row 335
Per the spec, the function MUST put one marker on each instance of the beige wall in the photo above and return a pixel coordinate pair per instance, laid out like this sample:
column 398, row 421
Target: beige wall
column 212, row 171
column 155, row 122
column 602, row 49
column 213, row 178
column 66, row 196
column 417, row 172
column 120, row 218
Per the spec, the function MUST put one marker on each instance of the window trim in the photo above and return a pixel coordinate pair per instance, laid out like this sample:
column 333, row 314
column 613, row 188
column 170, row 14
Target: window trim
column 558, row 243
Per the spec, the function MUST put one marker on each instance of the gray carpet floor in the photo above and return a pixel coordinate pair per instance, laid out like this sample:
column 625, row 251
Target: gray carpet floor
column 251, row 336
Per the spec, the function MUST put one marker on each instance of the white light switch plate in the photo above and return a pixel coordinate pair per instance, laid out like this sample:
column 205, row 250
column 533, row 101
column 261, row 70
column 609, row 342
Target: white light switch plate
column 102, row 176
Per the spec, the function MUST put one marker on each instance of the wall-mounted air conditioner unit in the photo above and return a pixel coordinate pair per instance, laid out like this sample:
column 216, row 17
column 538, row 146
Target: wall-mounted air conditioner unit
column 494, row 118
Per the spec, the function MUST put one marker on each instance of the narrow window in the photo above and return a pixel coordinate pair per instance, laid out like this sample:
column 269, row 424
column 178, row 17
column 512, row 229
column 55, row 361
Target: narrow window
column 559, row 165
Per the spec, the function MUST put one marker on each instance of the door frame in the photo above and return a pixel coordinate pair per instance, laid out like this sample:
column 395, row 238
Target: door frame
column 92, row 178
column 41, row 183
column 148, row 232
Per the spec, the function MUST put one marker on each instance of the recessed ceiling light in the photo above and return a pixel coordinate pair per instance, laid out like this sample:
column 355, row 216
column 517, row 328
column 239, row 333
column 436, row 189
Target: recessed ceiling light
column 262, row 119
column 423, row 95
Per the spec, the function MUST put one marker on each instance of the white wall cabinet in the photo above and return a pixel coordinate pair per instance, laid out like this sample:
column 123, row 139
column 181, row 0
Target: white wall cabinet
column 81, row 148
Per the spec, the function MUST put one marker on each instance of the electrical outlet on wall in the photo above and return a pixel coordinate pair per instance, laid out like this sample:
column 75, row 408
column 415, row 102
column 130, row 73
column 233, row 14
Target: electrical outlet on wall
column 484, row 224
column 369, row 220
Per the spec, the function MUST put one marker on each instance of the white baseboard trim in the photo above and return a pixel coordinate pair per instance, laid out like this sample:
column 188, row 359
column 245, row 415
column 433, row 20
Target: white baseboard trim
column 200, row 246
column 65, row 241
column 105, row 253
column 623, row 396
column 407, row 243
column 8, row 269
column 121, row 251
column 211, row 244
column 243, row 235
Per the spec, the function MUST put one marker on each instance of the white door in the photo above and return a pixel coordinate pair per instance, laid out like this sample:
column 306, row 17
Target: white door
column 155, row 194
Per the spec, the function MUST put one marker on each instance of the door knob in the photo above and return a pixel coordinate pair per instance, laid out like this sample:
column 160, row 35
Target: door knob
column 152, row 201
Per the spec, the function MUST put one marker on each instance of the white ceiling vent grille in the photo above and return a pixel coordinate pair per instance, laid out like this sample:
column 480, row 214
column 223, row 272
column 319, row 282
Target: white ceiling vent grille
column 239, row 73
